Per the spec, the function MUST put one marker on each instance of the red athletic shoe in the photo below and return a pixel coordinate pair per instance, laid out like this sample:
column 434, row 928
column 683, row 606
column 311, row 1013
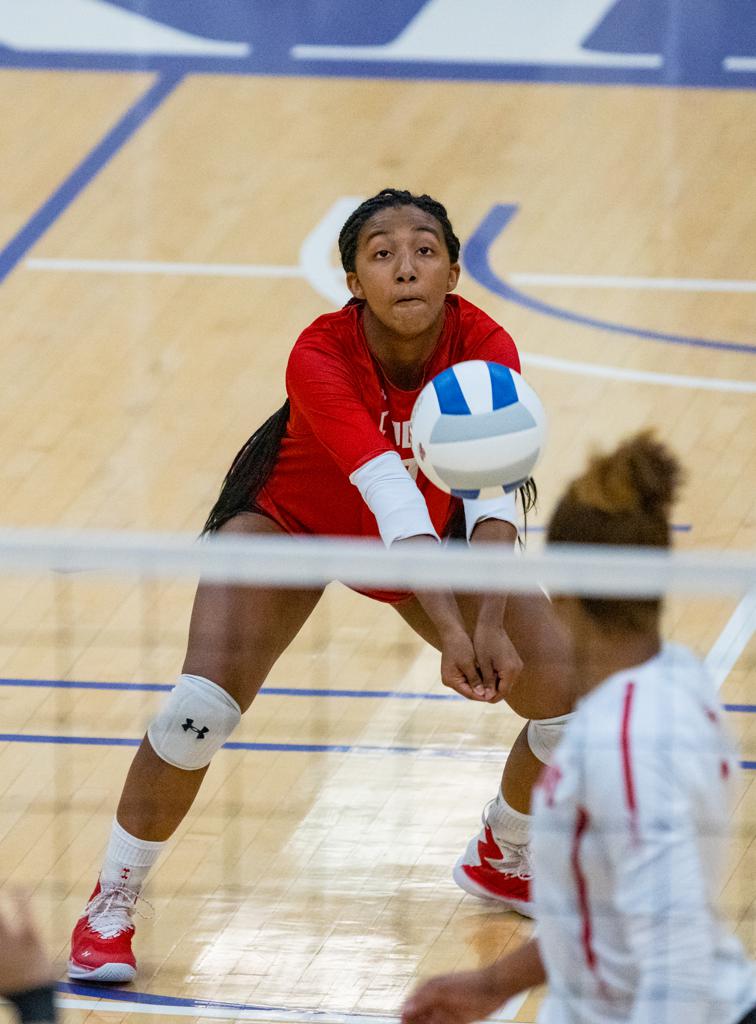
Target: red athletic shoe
column 494, row 870
column 101, row 940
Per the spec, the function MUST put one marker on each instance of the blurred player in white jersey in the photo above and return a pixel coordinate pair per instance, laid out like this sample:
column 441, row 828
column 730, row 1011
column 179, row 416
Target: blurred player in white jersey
column 630, row 820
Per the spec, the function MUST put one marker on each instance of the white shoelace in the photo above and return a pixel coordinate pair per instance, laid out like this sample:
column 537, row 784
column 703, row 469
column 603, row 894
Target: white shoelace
column 111, row 910
column 516, row 859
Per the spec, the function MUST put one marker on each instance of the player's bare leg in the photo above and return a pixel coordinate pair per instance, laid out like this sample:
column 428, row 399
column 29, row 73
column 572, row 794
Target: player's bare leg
column 235, row 636
column 542, row 693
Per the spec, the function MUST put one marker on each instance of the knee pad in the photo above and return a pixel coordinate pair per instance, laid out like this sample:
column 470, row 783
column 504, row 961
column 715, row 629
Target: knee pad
column 195, row 722
column 544, row 734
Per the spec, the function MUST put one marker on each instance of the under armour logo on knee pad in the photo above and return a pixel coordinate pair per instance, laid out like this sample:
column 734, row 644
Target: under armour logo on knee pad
column 189, row 724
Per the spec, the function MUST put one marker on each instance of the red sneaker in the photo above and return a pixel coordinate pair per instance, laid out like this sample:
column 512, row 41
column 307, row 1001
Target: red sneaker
column 494, row 870
column 101, row 940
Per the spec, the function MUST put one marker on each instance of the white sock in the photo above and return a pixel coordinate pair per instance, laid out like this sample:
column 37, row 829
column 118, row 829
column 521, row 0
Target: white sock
column 506, row 823
column 128, row 859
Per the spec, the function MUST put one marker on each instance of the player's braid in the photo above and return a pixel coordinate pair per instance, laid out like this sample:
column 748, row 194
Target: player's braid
column 249, row 471
column 386, row 198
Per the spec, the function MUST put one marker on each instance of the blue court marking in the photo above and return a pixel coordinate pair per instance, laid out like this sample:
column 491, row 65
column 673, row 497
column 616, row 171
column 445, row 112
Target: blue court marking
column 90, row 166
column 272, row 691
column 66, row 684
column 298, row 748
column 476, row 260
column 458, row 754
column 275, row 65
column 275, row 691
column 451, row 400
column 148, row 999
column 70, row 741
column 691, row 40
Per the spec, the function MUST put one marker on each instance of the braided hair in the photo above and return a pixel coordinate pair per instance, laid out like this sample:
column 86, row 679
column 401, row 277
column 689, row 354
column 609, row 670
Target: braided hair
column 622, row 498
column 255, row 460
column 249, row 471
column 385, row 199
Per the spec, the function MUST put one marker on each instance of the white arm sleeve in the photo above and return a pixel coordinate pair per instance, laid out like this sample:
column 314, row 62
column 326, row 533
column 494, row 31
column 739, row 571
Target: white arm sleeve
column 477, row 509
column 394, row 499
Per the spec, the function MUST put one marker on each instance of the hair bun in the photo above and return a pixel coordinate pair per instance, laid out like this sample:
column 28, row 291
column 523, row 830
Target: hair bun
column 641, row 475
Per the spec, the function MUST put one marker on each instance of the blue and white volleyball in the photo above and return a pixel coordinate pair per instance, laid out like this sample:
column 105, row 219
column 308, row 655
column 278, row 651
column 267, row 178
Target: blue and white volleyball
column 477, row 428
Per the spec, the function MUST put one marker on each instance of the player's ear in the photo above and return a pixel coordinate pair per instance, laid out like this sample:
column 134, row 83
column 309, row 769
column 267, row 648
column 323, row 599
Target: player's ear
column 454, row 272
column 354, row 286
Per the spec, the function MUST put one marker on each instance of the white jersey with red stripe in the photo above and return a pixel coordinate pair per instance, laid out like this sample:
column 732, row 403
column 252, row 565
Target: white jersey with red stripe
column 629, row 842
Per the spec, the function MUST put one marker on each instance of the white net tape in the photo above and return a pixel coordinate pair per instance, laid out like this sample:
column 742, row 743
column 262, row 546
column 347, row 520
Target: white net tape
column 300, row 561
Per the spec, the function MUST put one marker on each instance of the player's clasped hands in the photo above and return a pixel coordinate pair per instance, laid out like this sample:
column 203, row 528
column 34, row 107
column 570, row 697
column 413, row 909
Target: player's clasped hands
column 499, row 664
column 481, row 668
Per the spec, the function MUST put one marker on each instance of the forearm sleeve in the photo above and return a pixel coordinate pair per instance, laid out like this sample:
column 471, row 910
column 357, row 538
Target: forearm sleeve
column 477, row 509
column 394, row 499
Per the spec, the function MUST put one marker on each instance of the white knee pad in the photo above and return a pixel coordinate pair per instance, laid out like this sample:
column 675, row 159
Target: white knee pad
column 544, row 734
column 195, row 722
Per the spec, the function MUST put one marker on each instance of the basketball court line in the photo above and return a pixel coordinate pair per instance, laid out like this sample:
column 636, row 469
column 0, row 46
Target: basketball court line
column 121, row 1001
column 675, row 284
column 97, row 158
column 683, row 284
column 208, row 1011
column 477, row 263
column 316, row 269
column 164, row 269
column 481, row 754
column 733, row 640
column 272, row 691
column 212, row 1013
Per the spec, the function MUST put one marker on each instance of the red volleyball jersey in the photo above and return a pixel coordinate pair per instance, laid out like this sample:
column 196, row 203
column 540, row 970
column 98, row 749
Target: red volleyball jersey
column 344, row 412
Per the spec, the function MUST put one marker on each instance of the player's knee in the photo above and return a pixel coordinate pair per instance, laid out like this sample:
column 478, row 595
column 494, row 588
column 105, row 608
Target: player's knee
column 194, row 722
column 544, row 735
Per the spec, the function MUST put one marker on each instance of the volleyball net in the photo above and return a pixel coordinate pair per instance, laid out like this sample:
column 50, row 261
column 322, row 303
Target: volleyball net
column 351, row 731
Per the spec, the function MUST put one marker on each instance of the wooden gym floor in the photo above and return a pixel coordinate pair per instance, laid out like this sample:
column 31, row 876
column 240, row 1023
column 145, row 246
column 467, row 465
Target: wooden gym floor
column 314, row 872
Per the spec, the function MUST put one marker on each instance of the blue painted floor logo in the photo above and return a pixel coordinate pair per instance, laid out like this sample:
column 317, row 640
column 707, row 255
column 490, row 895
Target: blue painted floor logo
column 656, row 42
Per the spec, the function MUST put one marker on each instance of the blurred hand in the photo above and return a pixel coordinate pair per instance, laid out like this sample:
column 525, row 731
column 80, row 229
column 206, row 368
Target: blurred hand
column 498, row 661
column 454, row 999
column 23, row 961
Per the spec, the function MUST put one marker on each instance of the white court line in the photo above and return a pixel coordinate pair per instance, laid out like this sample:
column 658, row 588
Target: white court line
column 328, row 280
column 315, row 252
column 177, row 269
column 316, row 268
column 733, row 640
column 679, row 284
column 739, row 63
column 640, row 376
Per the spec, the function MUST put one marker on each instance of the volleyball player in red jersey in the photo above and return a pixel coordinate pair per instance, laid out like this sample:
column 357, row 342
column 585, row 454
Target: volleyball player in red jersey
column 336, row 460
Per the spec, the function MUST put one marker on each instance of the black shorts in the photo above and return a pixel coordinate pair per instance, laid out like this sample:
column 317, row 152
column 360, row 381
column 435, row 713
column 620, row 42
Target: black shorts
column 750, row 1017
